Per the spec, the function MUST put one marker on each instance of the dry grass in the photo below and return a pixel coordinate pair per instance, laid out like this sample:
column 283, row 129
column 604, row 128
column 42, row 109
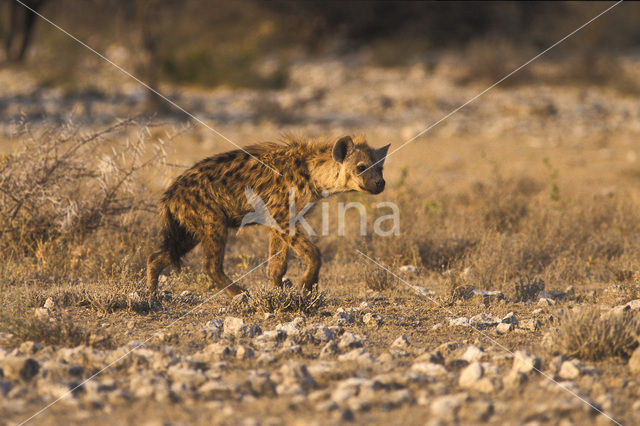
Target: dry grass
column 60, row 331
column 264, row 299
column 591, row 334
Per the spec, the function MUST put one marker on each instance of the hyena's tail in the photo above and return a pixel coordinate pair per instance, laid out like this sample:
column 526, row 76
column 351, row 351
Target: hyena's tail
column 176, row 239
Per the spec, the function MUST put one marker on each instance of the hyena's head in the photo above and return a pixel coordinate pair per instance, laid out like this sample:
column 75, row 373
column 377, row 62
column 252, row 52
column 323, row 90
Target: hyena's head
column 361, row 165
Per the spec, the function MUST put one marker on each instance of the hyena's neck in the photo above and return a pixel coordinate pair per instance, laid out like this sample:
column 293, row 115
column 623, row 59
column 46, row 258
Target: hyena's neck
column 325, row 173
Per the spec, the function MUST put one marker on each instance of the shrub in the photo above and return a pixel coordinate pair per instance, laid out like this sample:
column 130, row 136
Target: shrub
column 61, row 185
column 279, row 300
column 593, row 335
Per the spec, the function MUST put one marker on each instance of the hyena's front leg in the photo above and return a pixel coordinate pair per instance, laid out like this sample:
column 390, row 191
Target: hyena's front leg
column 278, row 249
column 310, row 255
column 213, row 245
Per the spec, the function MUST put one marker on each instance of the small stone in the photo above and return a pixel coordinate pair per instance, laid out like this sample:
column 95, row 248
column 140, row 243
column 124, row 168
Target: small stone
column 49, row 303
column 296, row 373
column 424, row 291
column 236, row 327
column 570, row 370
column 365, row 305
column 30, row 348
column 524, row 362
column 360, row 355
column 372, row 320
column 473, row 353
column 212, row 329
column 244, row 352
column 289, row 346
column 532, row 324
column 510, row 318
column 446, row 407
column 401, row 342
column 220, row 350
column 429, row 369
column 504, row 328
column 341, row 317
column 459, row 322
column 471, row 375
column 514, row 379
column 19, row 368
column 42, row 314
column 268, row 316
column 408, row 268
column 546, row 301
column 483, row 320
column 233, row 325
column 293, row 328
column 448, row 348
column 350, row 340
column 266, row 358
column 433, row 357
column 321, row 333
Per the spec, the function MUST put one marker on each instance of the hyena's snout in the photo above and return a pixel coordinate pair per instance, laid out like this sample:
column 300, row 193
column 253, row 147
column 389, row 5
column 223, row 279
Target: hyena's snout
column 375, row 185
column 379, row 186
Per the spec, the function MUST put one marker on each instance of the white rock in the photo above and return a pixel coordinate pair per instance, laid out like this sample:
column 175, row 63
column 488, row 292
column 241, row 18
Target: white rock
column 446, row 407
column 408, row 268
column 570, row 370
column 524, row 362
column 545, row 301
column 42, row 314
column 483, row 320
column 244, row 352
column 510, row 318
column 470, row 375
column 23, row 368
column 429, row 369
column 213, row 329
column 321, row 333
column 401, row 342
column 473, row 353
column 360, row 355
column 350, row 340
column 293, row 328
column 233, row 325
column 372, row 319
column 49, row 303
column 459, row 322
column 504, row 328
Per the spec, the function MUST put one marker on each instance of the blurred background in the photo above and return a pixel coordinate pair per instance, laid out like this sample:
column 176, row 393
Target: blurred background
column 192, row 46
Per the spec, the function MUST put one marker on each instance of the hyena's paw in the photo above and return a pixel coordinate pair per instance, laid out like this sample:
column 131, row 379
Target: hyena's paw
column 234, row 290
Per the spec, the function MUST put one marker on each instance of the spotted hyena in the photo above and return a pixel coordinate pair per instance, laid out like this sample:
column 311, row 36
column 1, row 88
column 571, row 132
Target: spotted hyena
column 209, row 198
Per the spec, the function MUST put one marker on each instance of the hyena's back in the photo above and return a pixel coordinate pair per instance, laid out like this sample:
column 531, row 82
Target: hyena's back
column 212, row 192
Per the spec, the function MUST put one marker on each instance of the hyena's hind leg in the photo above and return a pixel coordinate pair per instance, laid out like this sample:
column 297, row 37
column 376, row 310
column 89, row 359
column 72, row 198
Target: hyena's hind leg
column 213, row 245
column 278, row 249
column 160, row 259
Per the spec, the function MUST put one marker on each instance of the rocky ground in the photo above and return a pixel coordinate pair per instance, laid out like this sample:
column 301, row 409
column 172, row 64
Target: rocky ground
column 389, row 358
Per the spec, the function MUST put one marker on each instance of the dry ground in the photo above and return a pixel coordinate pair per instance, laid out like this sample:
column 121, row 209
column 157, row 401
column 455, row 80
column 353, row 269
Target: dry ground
column 532, row 191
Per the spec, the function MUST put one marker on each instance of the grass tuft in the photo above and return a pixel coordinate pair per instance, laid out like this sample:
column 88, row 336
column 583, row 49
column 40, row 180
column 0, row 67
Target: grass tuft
column 590, row 334
column 279, row 300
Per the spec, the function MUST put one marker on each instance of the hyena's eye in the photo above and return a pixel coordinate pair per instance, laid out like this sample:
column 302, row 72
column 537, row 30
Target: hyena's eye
column 361, row 168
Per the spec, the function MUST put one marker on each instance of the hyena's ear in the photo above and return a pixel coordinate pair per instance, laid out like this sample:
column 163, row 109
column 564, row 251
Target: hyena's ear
column 342, row 148
column 380, row 154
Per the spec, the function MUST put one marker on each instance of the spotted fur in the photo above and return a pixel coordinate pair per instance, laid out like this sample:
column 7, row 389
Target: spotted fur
column 209, row 198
